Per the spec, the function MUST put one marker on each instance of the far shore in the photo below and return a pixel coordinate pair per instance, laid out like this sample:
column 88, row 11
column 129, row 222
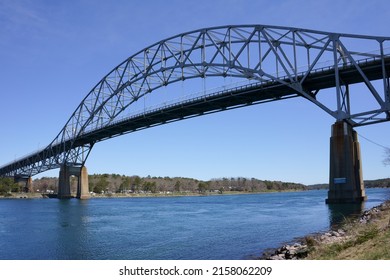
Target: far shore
column 135, row 195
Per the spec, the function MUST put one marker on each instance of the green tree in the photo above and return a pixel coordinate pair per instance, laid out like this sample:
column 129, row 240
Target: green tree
column 125, row 185
column 269, row 185
column 202, row 187
column 153, row 187
column 8, row 185
column 149, row 187
column 137, row 181
column 177, row 186
column 101, row 185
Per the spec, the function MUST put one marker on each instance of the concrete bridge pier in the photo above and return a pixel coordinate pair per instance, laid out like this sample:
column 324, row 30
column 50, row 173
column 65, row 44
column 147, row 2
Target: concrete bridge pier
column 83, row 184
column 345, row 178
column 28, row 183
column 66, row 172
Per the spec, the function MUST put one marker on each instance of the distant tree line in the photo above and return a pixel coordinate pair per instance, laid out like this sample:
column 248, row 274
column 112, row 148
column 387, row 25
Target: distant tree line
column 380, row 183
column 115, row 183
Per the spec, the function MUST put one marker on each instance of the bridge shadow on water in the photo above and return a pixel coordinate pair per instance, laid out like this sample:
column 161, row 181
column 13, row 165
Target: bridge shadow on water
column 338, row 213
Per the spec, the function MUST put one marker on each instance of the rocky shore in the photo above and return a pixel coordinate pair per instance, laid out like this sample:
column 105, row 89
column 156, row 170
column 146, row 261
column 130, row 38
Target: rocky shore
column 23, row 196
column 348, row 234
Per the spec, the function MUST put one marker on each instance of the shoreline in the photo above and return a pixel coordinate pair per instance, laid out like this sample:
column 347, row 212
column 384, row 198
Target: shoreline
column 347, row 240
column 140, row 195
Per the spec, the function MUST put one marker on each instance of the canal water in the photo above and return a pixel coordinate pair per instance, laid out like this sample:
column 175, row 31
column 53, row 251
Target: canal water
column 206, row 228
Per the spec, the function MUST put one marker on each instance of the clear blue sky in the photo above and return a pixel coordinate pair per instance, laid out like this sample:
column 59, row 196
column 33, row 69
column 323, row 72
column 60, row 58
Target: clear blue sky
column 53, row 52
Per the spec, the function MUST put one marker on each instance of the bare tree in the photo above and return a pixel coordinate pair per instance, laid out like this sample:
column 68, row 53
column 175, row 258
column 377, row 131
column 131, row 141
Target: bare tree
column 386, row 161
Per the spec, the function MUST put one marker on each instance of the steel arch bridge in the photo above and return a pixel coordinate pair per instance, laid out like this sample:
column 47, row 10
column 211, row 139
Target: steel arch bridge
column 274, row 62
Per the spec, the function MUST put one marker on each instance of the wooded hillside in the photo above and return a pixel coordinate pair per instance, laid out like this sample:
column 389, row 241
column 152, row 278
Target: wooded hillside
column 115, row 183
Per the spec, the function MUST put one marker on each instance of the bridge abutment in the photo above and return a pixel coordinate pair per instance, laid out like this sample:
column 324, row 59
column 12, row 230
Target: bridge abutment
column 28, row 183
column 66, row 172
column 345, row 173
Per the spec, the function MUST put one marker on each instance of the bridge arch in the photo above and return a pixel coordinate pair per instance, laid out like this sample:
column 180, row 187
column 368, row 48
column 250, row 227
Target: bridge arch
column 252, row 52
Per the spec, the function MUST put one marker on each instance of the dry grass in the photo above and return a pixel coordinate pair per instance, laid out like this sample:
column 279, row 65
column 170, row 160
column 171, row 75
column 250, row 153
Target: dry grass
column 369, row 241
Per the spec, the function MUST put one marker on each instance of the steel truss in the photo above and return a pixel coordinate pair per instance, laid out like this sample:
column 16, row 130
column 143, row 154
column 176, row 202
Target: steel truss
column 285, row 56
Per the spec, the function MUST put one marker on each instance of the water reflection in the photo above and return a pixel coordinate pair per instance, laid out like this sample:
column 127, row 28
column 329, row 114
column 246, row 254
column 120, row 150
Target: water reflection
column 72, row 229
column 339, row 212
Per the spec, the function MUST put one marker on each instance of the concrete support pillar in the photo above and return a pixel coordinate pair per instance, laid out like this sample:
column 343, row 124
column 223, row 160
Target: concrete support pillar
column 83, row 186
column 64, row 183
column 345, row 174
column 29, row 185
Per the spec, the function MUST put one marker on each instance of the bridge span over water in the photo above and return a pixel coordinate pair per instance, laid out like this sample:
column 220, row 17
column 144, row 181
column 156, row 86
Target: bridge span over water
column 265, row 63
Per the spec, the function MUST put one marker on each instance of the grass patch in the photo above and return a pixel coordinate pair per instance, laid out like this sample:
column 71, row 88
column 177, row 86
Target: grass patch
column 330, row 251
column 366, row 242
column 366, row 234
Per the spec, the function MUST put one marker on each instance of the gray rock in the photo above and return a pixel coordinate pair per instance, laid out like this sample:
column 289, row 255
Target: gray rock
column 341, row 232
column 335, row 233
column 276, row 257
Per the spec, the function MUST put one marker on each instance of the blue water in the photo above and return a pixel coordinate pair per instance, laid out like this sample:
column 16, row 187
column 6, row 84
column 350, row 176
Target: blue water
column 210, row 227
